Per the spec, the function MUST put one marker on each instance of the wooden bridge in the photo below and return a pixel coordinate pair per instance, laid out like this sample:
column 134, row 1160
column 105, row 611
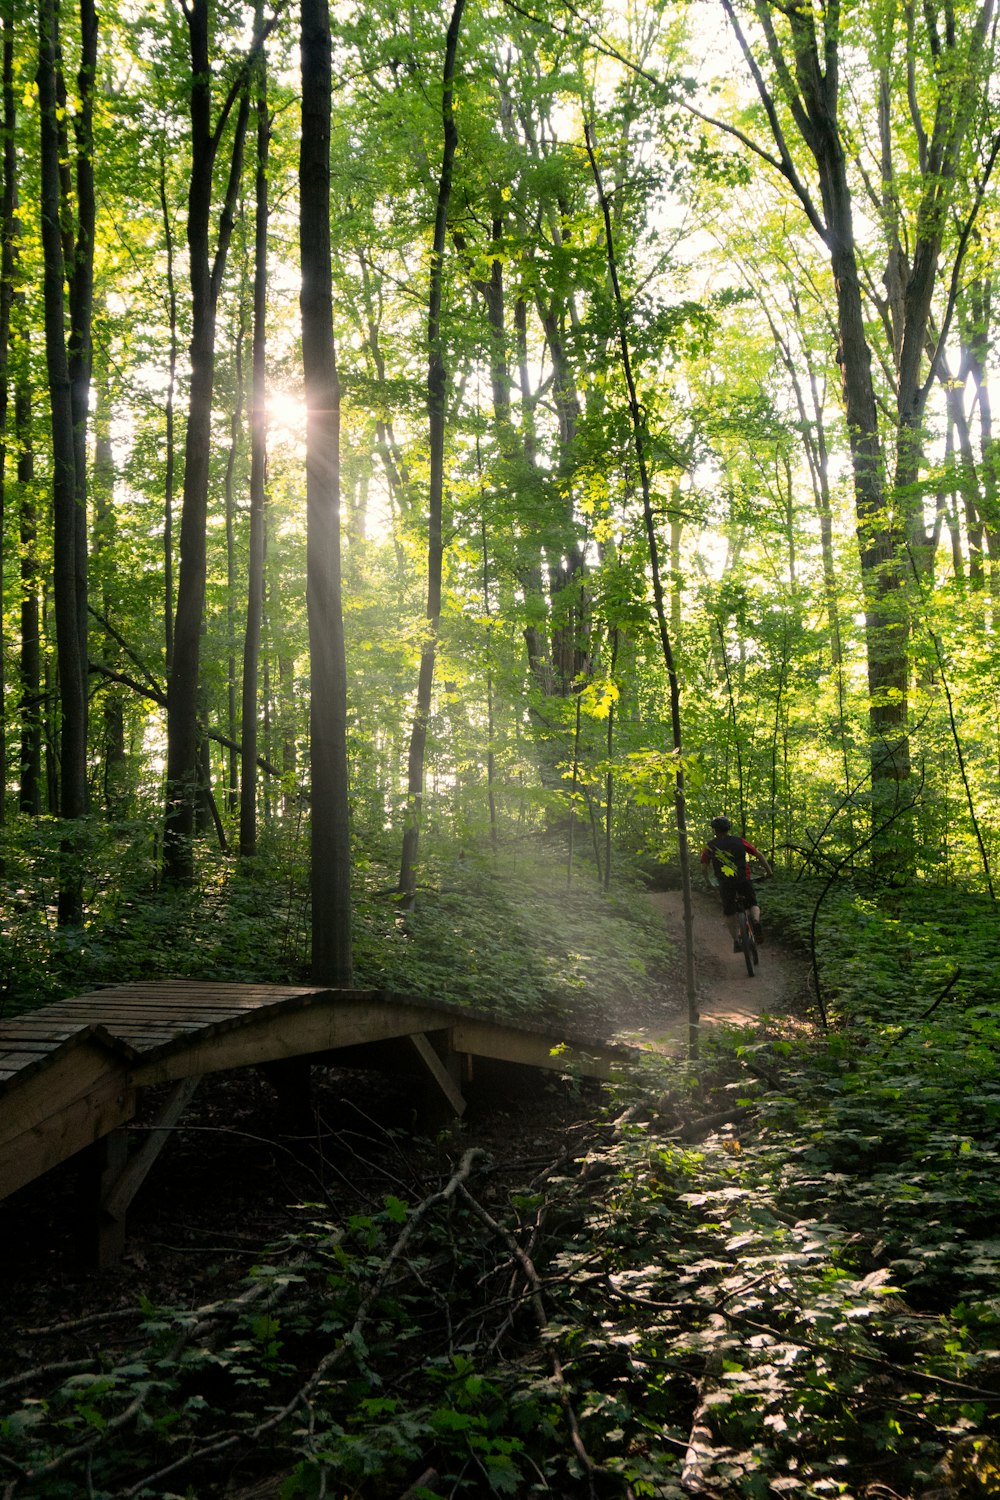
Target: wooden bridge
column 72, row 1074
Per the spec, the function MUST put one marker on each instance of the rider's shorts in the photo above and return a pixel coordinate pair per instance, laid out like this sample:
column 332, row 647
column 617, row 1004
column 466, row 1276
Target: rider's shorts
column 731, row 887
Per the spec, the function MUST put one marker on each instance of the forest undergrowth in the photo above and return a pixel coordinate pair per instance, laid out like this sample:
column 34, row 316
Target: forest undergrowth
column 769, row 1272
column 510, row 934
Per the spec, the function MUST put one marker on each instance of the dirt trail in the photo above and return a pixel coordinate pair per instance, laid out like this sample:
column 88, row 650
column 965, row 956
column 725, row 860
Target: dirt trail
column 726, row 993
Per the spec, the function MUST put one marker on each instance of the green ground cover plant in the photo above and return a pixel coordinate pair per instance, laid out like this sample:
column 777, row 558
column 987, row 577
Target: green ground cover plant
column 772, row 1272
column 505, row 934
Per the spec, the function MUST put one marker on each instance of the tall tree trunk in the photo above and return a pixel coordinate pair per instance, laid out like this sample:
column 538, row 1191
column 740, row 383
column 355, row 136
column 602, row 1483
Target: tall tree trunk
column 640, row 440
column 889, row 518
column 30, row 711
column 490, row 706
column 565, row 556
column 436, row 404
column 887, row 624
column 69, row 516
column 330, row 825
column 8, row 218
column 535, row 640
column 235, row 428
column 258, row 477
column 105, row 526
column 977, row 337
column 609, row 775
column 287, row 720
column 169, row 438
column 206, row 274
column 30, row 798
column 79, row 348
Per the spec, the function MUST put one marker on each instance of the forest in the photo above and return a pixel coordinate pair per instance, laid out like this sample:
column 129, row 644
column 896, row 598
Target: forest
column 448, row 454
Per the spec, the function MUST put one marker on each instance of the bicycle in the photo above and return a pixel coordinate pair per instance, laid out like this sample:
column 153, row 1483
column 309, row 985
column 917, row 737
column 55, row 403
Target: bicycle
column 748, row 940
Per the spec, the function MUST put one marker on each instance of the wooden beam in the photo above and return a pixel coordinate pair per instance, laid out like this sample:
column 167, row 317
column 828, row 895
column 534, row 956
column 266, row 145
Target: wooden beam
column 322, row 1025
column 55, row 1100
column 482, row 1038
column 332, row 1020
column 438, row 1071
column 58, row 1111
column 102, row 1236
column 119, row 1192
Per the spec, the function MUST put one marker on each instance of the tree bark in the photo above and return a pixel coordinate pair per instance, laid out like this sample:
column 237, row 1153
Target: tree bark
column 30, row 758
column 170, row 455
column 79, row 346
column 66, row 377
column 330, row 826
column 235, row 430
column 889, row 517
column 8, row 214
column 436, row 413
column 206, row 277
column 641, row 440
column 113, row 748
column 258, row 476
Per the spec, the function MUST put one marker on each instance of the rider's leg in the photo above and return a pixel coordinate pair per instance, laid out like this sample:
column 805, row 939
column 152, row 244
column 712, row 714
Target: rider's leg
column 727, row 894
column 727, row 890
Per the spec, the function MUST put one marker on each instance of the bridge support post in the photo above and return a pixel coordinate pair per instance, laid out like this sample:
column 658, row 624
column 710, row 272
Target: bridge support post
column 102, row 1234
column 443, row 1070
column 113, row 1177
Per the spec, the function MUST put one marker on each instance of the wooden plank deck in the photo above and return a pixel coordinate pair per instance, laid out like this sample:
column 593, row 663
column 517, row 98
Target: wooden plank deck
column 71, row 1072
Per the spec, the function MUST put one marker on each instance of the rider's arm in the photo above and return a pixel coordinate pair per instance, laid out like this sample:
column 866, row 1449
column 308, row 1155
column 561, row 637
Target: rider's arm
column 756, row 854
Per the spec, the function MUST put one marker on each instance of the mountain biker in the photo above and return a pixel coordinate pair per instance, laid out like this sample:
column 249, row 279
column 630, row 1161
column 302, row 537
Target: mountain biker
column 727, row 853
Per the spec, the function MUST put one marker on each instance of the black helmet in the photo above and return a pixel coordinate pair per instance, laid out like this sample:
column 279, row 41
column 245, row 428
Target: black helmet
column 721, row 825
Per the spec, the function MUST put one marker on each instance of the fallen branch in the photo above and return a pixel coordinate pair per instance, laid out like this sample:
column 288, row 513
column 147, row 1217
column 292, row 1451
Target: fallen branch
column 696, row 1130
column 347, row 1344
column 534, row 1282
column 57, row 1330
column 428, row 1478
column 204, row 1319
column 930, row 1009
column 39, row 1372
column 957, row 1389
column 701, row 1446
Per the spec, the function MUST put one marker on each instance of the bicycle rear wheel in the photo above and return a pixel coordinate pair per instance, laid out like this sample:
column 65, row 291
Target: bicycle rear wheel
column 748, row 943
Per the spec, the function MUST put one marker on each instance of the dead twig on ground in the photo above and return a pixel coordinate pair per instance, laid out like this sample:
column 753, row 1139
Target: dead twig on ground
column 541, row 1317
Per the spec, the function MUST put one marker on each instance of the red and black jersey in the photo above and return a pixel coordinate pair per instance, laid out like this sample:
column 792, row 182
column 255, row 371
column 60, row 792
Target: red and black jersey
column 728, row 854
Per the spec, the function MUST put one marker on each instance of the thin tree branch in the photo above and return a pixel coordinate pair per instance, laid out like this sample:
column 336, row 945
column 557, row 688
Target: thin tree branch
column 156, row 696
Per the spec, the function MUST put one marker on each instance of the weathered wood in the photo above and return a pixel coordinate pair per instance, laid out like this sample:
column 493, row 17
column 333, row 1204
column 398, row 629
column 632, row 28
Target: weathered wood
column 317, row 1028
column 122, row 1190
column 18, row 1062
column 68, row 1072
column 439, row 1071
column 102, row 1235
column 66, row 1128
column 62, row 1091
column 11, row 1031
column 507, row 1044
column 223, row 992
column 35, row 1049
column 142, row 1012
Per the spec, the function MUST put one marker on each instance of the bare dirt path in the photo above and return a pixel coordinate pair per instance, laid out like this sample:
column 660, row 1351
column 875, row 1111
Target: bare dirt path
column 726, row 993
